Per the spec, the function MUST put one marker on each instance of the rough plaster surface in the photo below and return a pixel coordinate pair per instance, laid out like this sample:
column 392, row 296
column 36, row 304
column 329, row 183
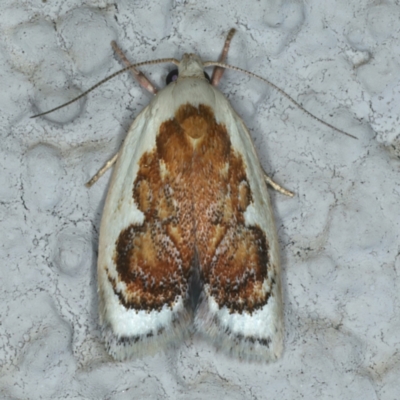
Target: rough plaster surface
column 339, row 236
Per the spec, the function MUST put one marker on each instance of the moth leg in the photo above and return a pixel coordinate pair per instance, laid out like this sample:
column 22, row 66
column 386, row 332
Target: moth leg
column 218, row 71
column 277, row 187
column 139, row 76
column 102, row 170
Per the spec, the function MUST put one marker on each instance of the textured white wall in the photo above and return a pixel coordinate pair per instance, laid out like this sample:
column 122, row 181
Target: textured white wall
column 339, row 236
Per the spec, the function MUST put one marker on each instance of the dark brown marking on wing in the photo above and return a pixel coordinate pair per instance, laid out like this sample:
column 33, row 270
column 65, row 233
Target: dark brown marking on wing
column 193, row 191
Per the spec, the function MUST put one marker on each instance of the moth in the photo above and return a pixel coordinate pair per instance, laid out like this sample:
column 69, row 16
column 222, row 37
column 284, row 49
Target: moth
column 187, row 239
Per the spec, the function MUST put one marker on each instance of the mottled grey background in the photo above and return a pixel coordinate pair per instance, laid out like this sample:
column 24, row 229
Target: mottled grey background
column 339, row 236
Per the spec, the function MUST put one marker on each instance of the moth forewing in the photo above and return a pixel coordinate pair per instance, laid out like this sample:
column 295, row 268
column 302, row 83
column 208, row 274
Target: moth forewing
column 188, row 197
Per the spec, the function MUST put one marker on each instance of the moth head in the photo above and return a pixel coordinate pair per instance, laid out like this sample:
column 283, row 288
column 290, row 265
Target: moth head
column 190, row 66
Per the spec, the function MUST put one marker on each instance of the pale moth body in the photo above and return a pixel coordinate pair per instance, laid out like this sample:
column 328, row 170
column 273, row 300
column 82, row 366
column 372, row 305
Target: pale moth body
column 188, row 211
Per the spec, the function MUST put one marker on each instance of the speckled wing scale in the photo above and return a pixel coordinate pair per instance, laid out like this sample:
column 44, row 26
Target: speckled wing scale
column 188, row 212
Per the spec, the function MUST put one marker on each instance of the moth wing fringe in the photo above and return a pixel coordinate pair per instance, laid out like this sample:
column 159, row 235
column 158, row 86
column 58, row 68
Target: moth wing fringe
column 208, row 324
column 138, row 346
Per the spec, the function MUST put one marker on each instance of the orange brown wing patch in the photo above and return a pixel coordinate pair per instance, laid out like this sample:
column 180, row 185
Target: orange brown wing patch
column 193, row 191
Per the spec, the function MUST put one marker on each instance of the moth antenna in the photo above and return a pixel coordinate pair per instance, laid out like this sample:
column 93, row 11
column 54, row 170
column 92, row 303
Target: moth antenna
column 283, row 93
column 133, row 66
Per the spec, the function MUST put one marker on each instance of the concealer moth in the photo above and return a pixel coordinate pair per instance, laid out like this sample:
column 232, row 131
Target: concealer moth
column 187, row 239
